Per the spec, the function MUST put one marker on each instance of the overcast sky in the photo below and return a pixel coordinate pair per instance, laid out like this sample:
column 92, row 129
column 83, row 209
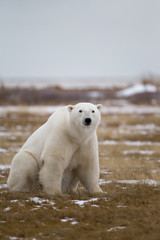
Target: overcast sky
column 79, row 38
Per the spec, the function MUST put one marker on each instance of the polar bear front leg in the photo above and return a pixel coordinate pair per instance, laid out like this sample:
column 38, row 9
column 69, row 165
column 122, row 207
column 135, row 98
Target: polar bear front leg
column 90, row 179
column 50, row 176
column 88, row 171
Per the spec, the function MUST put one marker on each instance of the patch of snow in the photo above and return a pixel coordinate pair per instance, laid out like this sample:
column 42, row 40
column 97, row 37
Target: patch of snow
column 140, row 143
column 155, row 170
column 74, row 222
column 5, row 134
column 102, row 181
column 4, row 167
column 130, row 143
column 7, row 209
column 107, row 172
column 82, row 202
column 41, row 200
column 3, row 186
column 150, row 182
column 122, row 130
column 38, row 200
column 109, row 142
column 116, row 228
column 12, row 135
column 140, row 152
column 149, row 127
column 140, row 128
column 2, row 128
column 95, row 94
column 137, row 88
column 127, row 108
column 15, row 238
column 131, row 109
column 9, row 150
column 14, row 201
column 29, row 109
column 66, row 219
column 121, row 206
column 3, row 150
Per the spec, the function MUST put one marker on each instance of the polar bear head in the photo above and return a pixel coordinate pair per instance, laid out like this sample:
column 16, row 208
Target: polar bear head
column 85, row 115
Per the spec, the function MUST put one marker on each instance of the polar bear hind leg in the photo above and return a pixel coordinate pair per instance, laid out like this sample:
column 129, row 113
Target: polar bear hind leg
column 23, row 175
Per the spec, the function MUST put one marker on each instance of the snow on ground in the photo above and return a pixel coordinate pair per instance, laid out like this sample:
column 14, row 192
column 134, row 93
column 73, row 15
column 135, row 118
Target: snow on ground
column 129, row 143
column 108, row 108
column 150, row 182
column 71, row 83
column 137, row 88
column 82, row 202
column 141, row 143
column 15, row 238
column 72, row 220
column 106, row 172
column 10, row 134
column 42, row 201
column 116, row 228
column 95, row 94
column 149, row 127
column 4, row 167
column 140, row 128
column 139, row 152
column 5, row 134
column 109, row 142
column 131, row 109
column 121, row 206
column 9, row 150
column 7, row 209
column 3, row 150
column 28, row 109
column 3, row 186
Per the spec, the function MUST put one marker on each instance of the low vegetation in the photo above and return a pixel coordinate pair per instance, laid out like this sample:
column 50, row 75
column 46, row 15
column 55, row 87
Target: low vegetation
column 56, row 94
column 130, row 177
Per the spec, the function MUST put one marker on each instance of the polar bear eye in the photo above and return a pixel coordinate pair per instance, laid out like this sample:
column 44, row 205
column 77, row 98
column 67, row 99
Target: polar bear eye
column 80, row 111
column 93, row 111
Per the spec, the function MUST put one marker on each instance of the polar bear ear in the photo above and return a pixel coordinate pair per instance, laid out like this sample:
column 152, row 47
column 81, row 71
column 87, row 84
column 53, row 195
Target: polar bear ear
column 99, row 107
column 70, row 108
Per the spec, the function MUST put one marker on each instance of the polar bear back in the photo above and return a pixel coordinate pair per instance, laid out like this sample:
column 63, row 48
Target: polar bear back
column 35, row 143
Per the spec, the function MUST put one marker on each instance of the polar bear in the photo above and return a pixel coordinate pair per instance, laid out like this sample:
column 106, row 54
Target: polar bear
column 61, row 153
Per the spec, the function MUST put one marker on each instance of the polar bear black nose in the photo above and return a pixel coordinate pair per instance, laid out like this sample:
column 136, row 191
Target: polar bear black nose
column 87, row 121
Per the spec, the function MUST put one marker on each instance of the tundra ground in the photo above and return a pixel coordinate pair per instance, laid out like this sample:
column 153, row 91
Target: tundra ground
column 129, row 149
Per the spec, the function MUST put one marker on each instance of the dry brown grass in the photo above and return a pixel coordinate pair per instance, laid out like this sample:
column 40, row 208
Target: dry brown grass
column 126, row 211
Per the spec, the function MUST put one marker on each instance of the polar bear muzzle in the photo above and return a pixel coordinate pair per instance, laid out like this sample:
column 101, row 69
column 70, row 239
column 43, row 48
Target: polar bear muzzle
column 87, row 121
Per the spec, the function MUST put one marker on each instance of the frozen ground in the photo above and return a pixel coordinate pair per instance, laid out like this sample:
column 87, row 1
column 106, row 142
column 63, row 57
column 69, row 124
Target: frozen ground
column 114, row 107
column 71, row 83
column 137, row 88
column 129, row 145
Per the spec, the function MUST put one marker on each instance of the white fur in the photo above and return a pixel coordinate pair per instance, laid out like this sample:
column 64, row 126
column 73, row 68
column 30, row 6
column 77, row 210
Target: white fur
column 60, row 153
